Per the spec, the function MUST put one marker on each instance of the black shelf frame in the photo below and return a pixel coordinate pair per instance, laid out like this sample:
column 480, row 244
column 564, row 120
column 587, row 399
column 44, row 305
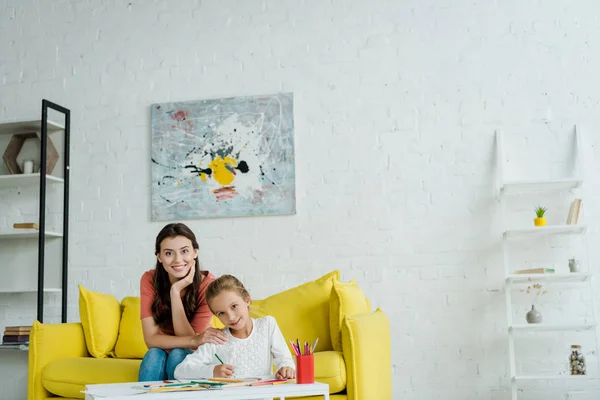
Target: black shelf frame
column 42, row 221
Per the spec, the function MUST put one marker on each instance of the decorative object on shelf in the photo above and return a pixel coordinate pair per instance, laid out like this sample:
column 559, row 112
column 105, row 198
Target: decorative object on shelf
column 573, row 265
column 224, row 157
column 26, row 225
column 574, row 212
column 535, row 271
column 540, row 220
column 577, row 360
column 28, row 167
column 14, row 148
column 533, row 316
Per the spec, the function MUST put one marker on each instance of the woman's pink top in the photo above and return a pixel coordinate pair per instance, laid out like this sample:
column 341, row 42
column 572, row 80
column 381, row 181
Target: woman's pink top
column 203, row 315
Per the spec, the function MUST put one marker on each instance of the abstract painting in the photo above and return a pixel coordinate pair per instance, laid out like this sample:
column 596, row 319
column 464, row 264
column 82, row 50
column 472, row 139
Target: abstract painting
column 223, row 157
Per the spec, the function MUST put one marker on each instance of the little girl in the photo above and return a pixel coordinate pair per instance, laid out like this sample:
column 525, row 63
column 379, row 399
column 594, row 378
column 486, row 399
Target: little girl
column 253, row 345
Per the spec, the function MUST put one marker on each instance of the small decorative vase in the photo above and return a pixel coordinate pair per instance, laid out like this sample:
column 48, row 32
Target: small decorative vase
column 539, row 221
column 533, row 316
column 573, row 265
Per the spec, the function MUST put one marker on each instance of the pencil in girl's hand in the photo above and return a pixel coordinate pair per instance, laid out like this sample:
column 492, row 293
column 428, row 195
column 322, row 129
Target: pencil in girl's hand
column 218, row 358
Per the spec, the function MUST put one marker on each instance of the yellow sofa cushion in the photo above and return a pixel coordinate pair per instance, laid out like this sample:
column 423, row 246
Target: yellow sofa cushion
column 330, row 368
column 367, row 355
column 301, row 312
column 67, row 377
column 346, row 299
column 130, row 343
column 100, row 316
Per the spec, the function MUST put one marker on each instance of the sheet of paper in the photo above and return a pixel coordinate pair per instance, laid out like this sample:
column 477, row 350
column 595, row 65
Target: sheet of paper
column 114, row 391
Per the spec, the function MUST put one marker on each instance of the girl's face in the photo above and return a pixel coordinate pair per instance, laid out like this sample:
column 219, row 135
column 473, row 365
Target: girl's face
column 232, row 310
column 177, row 255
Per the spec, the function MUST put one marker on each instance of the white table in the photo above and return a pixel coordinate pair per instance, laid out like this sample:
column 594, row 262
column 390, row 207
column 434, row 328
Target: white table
column 118, row 391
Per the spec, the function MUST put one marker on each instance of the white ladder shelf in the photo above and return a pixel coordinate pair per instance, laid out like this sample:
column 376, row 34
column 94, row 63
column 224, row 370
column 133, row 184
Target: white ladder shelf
column 505, row 188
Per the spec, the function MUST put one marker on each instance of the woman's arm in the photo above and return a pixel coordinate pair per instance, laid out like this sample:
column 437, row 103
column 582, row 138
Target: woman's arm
column 181, row 325
column 155, row 338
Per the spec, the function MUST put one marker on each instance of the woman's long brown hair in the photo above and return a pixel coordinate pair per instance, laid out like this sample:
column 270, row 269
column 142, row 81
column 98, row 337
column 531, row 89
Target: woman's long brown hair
column 161, row 306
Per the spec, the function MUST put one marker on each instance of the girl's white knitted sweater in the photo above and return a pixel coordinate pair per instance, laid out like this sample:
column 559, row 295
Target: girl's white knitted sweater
column 252, row 357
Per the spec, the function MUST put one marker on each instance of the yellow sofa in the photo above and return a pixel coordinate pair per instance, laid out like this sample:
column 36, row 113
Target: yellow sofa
column 352, row 354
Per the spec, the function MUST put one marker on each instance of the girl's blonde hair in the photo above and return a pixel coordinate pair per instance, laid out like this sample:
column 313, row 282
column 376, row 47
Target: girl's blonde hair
column 225, row 282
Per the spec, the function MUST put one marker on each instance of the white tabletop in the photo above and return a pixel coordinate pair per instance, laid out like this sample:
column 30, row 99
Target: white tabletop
column 126, row 391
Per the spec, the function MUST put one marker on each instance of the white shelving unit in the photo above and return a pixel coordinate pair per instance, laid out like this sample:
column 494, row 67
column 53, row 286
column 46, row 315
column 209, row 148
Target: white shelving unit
column 551, row 377
column 548, row 278
column 28, row 234
column 516, row 187
column 506, row 188
column 545, row 231
column 551, row 327
column 38, row 260
column 26, row 180
column 17, row 127
column 14, row 347
column 30, row 290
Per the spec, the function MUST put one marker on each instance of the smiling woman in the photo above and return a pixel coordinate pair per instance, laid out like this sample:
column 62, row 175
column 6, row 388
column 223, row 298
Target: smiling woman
column 174, row 312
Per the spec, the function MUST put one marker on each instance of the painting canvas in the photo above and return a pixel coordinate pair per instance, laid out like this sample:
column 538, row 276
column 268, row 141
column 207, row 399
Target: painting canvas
column 223, row 157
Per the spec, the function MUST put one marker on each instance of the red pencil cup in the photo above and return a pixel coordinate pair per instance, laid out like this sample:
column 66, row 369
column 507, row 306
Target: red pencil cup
column 305, row 369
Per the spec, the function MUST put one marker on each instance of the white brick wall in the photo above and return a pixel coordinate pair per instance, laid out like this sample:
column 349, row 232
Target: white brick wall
column 396, row 104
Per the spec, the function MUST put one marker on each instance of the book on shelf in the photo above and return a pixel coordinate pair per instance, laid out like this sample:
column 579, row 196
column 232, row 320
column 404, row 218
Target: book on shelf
column 11, row 333
column 15, row 339
column 535, row 271
column 574, row 212
column 19, row 328
column 26, row 225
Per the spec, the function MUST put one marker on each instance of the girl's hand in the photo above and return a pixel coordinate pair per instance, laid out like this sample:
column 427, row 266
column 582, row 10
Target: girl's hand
column 223, row 371
column 286, row 373
column 210, row 335
column 181, row 284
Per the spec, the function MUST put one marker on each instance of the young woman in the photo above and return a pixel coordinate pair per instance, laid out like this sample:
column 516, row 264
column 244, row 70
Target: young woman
column 174, row 312
column 253, row 345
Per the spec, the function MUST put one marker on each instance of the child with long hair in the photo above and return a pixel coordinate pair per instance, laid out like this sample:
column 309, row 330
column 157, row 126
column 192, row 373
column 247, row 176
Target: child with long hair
column 173, row 308
column 252, row 346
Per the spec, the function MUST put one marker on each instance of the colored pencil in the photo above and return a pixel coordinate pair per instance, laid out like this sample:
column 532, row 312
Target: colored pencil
column 218, row 358
column 314, row 346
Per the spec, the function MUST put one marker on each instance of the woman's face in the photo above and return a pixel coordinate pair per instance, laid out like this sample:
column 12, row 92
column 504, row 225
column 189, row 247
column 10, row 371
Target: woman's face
column 177, row 256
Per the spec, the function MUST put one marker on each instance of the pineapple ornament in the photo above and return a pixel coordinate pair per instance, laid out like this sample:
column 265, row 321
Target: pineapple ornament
column 539, row 213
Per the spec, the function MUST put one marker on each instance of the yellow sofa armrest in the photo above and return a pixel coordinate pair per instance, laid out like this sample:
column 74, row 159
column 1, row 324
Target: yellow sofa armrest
column 367, row 353
column 49, row 342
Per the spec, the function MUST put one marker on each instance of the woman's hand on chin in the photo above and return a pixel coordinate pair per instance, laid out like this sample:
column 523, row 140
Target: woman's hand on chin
column 177, row 287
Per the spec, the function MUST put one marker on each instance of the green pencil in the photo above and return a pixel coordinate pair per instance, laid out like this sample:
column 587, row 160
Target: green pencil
column 218, row 358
